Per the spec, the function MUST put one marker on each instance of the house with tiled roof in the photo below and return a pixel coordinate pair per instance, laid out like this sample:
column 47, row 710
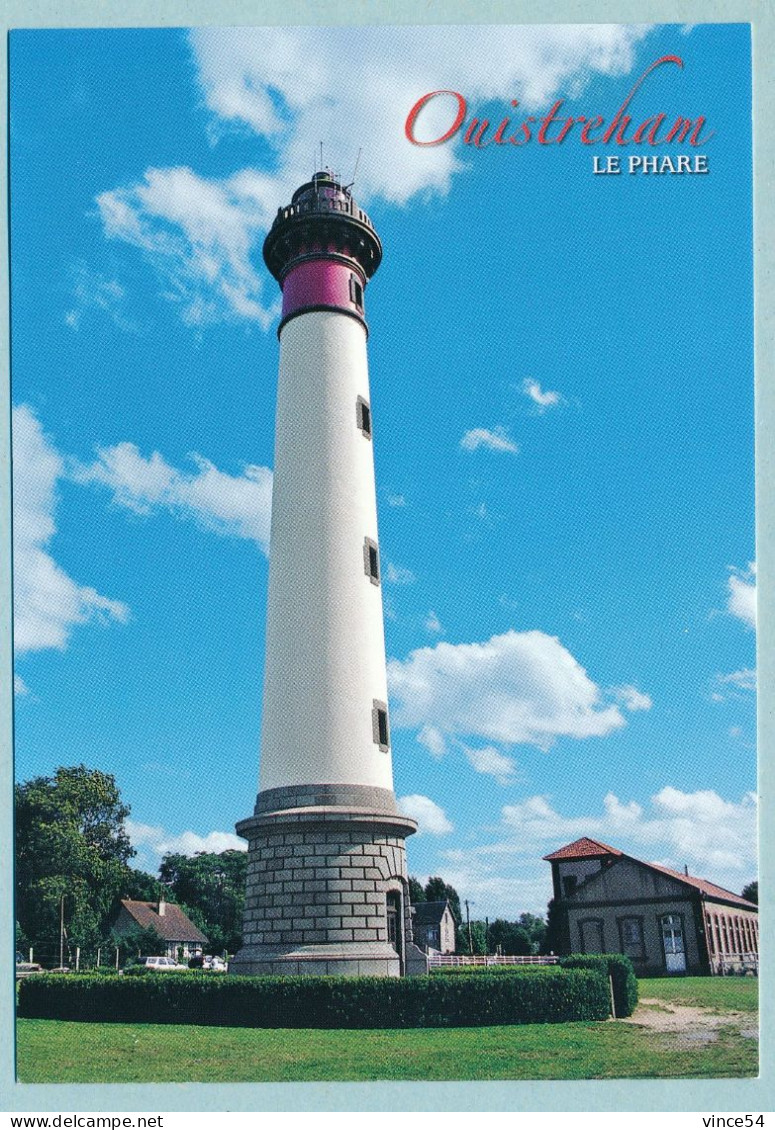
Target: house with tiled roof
column 182, row 939
column 666, row 921
column 433, row 926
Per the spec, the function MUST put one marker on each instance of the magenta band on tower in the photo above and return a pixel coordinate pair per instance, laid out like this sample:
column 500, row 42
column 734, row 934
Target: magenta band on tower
column 323, row 284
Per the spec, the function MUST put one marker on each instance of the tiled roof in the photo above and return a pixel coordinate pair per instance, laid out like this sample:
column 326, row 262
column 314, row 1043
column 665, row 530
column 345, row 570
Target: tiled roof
column 429, row 913
column 173, row 925
column 710, row 889
column 583, row 849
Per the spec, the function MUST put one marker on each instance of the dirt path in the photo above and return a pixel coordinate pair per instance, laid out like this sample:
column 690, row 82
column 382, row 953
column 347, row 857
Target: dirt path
column 689, row 1024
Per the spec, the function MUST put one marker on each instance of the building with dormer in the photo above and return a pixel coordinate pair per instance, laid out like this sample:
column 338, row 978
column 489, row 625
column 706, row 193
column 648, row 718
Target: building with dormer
column 666, row 921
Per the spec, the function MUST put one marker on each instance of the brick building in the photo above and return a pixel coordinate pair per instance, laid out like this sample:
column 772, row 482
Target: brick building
column 666, row 921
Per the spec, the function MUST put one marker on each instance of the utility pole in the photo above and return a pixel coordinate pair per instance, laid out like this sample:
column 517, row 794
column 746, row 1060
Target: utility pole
column 468, row 923
column 62, row 932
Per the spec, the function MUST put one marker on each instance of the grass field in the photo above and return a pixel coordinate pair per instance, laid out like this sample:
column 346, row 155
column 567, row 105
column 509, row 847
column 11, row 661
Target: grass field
column 61, row 1051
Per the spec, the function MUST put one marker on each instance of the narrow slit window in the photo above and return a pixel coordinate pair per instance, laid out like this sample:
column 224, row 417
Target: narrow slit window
column 371, row 560
column 379, row 723
column 363, row 416
column 356, row 292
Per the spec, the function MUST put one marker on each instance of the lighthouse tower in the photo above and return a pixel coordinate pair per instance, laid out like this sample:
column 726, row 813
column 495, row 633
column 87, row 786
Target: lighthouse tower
column 327, row 887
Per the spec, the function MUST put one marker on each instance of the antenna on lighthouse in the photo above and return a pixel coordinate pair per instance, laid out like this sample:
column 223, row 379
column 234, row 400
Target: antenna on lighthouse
column 355, row 170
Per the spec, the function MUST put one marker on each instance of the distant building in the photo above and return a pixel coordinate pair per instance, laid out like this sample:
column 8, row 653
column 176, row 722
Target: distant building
column 433, row 926
column 664, row 920
column 181, row 937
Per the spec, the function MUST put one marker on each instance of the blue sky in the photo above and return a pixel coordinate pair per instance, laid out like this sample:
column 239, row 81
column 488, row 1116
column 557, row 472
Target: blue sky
column 562, row 386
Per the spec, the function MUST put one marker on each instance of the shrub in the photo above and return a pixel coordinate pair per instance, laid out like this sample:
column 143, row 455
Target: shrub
column 618, row 967
column 322, row 1002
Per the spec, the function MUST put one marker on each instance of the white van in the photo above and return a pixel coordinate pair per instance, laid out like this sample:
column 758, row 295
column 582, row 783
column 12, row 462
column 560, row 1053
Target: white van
column 164, row 963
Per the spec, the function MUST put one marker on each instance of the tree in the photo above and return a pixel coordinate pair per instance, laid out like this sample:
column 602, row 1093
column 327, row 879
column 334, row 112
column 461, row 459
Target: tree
column 436, row 890
column 478, row 937
column 535, row 928
column 557, row 938
column 509, row 938
column 416, row 892
column 751, row 892
column 71, row 845
column 211, row 890
column 141, row 886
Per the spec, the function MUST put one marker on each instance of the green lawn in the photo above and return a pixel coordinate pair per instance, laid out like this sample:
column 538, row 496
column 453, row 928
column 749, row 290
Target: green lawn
column 738, row 994
column 62, row 1051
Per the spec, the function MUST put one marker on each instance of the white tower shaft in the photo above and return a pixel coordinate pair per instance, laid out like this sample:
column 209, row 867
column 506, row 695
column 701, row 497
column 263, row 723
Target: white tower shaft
column 325, row 651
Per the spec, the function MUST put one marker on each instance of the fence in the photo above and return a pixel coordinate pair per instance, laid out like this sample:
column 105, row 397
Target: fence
column 437, row 959
column 725, row 965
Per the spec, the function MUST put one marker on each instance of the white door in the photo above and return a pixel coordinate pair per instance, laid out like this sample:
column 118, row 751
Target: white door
column 673, row 941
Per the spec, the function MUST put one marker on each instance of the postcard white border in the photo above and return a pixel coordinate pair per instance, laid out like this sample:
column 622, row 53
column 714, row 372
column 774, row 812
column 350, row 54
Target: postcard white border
column 755, row 1095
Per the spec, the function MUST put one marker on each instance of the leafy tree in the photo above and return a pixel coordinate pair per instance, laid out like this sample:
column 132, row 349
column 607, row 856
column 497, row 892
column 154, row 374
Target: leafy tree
column 22, row 942
column 71, row 844
column 211, row 889
column 416, row 892
column 141, row 886
column 751, row 892
column 535, row 928
column 478, row 942
column 557, row 939
column 509, row 938
column 436, row 890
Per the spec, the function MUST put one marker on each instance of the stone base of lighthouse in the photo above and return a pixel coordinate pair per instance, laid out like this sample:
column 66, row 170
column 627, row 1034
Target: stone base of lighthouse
column 327, row 889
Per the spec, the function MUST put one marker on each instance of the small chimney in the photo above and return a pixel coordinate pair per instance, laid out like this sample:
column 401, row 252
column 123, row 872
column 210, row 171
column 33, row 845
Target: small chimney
column 162, row 908
column 686, row 872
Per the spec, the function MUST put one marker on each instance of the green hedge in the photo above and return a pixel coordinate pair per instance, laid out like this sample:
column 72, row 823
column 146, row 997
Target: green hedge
column 618, row 967
column 321, row 1002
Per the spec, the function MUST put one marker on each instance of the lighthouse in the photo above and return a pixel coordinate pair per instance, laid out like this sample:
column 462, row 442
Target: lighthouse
column 327, row 889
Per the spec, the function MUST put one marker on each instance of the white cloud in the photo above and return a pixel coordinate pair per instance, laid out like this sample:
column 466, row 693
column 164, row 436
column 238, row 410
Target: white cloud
column 714, row 837
column 743, row 681
column 543, row 399
column 495, row 440
column 520, row 687
column 48, row 603
column 293, row 86
column 432, row 623
column 155, row 841
column 92, row 291
column 429, row 816
column 251, row 77
column 433, row 740
column 203, row 237
column 492, row 762
column 398, row 575
column 741, row 600
column 396, row 500
column 19, row 686
column 631, row 698
column 231, row 504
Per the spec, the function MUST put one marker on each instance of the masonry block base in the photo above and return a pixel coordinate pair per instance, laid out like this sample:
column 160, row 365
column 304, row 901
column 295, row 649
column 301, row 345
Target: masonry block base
column 327, row 889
